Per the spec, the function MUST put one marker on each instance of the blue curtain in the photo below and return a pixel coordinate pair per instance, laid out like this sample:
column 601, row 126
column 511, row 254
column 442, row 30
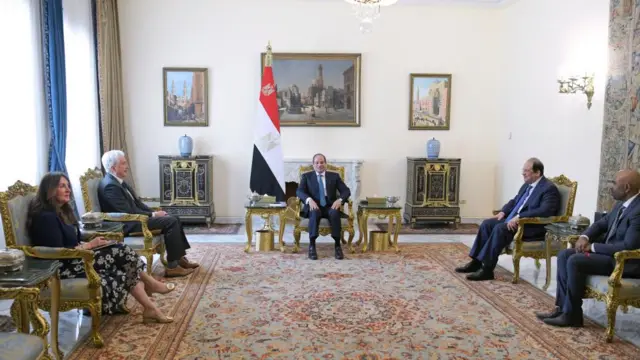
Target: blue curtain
column 55, row 85
column 55, row 82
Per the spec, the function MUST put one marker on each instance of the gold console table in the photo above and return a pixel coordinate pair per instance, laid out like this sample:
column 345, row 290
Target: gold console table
column 365, row 210
column 265, row 211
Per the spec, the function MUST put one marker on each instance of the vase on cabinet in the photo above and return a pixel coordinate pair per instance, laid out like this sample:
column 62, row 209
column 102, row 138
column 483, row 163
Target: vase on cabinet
column 433, row 148
column 185, row 145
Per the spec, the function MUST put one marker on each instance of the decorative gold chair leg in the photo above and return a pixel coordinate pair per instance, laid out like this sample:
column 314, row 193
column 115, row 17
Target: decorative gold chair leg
column 352, row 234
column 611, row 321
column 96, row 313
column 296, row 240
column 516, row 269
column 163, row 257
column 548, row 279
column 149, row 263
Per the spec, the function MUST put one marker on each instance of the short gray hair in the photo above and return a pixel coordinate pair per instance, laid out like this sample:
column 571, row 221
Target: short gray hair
column 110, row 159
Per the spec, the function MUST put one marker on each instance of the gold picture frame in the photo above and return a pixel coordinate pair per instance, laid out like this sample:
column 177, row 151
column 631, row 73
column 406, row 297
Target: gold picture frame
column 430, row 102
column 317, row 89
column 185, row 96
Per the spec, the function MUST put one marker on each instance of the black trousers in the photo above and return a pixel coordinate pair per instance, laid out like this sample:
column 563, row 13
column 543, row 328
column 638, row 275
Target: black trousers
column 328, row 213
column 174, row 238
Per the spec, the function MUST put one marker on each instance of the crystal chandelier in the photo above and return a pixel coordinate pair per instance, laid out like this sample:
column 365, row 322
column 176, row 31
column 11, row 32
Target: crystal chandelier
column 368, row 10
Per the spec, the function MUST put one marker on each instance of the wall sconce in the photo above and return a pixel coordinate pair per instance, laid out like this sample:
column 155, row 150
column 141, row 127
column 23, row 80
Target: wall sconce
column 574, row 85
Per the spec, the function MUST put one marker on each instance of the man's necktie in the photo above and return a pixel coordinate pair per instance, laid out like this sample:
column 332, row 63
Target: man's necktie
column 323, row 200
column 126, row 188
column 612, row 232
column 524, row 197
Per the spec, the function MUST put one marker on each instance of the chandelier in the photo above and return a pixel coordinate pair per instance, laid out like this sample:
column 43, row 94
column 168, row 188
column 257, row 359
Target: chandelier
column 368, row 10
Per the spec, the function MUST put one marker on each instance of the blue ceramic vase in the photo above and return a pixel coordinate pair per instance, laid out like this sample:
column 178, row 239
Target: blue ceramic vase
column 185, row 144
column 433, row 148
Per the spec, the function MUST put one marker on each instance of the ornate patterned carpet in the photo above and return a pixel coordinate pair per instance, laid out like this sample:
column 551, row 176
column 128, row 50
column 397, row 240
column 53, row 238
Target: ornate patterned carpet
column 215, row 229
column 373, row 306
column 468, row 229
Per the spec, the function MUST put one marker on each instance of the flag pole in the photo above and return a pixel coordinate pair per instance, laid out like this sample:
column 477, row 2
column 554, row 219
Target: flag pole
column 268, row 61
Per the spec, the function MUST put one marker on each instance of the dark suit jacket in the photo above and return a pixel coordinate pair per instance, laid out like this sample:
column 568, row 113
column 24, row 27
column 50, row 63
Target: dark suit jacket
column 47, row 229
column 544, row 201
column 113, row 197
column 309, row 188
column 627, row 234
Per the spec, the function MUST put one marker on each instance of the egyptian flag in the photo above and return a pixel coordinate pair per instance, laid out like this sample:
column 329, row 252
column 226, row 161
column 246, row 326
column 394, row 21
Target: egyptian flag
column 267, row 167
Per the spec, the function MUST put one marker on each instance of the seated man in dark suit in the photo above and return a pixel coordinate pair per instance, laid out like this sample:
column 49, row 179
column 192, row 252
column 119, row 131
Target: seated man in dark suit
column 593, row 252
column 115, row 195
column 318, row 190
column 538, row 197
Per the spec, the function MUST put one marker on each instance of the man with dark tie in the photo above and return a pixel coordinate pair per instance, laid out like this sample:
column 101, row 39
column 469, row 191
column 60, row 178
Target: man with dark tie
column 323, row 194
column 115, row 195
column 593, row 252
column 538, row 197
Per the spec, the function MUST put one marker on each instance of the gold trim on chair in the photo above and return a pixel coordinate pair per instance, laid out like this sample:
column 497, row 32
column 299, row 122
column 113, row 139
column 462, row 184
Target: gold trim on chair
column 94, row 301
column 294, row 206
column 546, row 249
column 611, row 296
column 148, row 235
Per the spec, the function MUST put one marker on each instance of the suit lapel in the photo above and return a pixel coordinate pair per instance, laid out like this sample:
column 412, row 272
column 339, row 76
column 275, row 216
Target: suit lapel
column 628, row 210
column 313, row 183
column 535, row 192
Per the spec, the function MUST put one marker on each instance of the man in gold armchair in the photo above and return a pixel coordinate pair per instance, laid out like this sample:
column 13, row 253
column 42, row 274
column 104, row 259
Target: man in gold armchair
column 538, row 197
column 318, row 190
column 593, row 252
column 116, row 196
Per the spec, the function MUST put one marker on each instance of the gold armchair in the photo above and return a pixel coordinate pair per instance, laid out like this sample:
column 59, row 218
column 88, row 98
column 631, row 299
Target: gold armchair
column 78, row 293
column 301, row 224
column 21, row 345
column 614, row 290
column 145, row 243
column 543, row 248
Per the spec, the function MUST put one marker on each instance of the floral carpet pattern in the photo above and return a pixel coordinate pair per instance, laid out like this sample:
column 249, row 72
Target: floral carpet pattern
column 410, row 305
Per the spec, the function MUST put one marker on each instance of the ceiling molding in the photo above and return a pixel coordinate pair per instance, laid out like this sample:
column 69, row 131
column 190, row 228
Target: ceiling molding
column 484, row 3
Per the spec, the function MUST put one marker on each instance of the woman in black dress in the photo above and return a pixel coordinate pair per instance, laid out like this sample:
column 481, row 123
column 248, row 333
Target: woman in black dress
column 51, row 222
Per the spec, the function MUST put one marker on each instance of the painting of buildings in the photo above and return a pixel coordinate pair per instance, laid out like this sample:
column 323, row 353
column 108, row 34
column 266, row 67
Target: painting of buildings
column 430, row 102
column 317, row 89
column 185, row 97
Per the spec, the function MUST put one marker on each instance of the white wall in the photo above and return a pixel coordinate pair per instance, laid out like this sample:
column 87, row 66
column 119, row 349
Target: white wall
column 545, row 39
column 228, row 36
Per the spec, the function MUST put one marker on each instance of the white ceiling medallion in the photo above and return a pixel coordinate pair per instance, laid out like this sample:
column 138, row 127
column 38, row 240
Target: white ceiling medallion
column 368, row 10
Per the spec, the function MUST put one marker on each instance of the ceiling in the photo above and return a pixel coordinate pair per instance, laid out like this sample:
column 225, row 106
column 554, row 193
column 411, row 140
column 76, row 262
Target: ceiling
column 452, row 2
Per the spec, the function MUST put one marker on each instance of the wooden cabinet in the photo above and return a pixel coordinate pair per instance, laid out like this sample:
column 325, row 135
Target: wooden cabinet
column 186, row 188
column 433, row 191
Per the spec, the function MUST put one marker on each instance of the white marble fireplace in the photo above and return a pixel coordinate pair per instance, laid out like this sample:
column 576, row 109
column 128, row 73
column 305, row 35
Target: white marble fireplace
column 351, row 172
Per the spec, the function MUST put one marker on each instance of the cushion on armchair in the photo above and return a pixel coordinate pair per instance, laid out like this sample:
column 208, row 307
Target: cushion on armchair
column 19, row 346
column 630, row 288
column 137, row 242
column 304, row 222
column 70, row 290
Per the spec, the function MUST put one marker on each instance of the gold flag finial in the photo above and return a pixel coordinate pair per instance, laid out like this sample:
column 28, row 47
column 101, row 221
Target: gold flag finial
column 269, row 56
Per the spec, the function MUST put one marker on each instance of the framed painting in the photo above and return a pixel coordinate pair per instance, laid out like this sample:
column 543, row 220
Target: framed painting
column 430, row 102
column 186, row 97
column 317, row 89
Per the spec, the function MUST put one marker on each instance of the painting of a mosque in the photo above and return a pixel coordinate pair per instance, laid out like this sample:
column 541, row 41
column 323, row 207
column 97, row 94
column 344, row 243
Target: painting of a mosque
column 430, row 102
column 317, row 89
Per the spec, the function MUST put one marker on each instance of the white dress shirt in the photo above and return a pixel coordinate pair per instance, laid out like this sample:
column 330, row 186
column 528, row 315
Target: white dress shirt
column 626, row 207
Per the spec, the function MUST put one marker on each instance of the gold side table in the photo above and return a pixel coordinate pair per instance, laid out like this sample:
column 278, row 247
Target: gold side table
column 561, row 232
column 390, row 211
column 265, row 211
column 24, row 287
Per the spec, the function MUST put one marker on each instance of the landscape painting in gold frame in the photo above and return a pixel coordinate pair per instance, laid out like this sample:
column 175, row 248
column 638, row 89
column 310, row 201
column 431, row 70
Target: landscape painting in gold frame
column 317, row 89
column 430, row 102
